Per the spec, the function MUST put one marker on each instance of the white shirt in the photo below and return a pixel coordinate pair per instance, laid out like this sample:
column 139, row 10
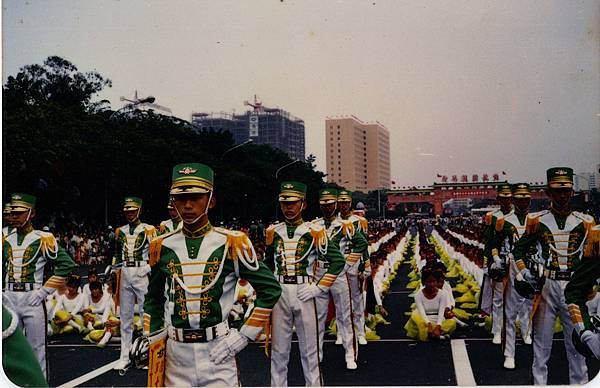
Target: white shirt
column 432, row 310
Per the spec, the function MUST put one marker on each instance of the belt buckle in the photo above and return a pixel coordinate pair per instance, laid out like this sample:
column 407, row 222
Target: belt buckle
column 288, row 279
column 130, row 263
column 18, row 286
column 194, row 336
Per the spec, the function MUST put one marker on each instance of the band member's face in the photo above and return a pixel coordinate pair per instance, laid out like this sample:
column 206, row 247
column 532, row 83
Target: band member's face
column 560, row 197
column 505, row 202
column 292, row 209
column 522, row 204
column 173, row 214
column 328, row 209
column 192, row 206
column 18, row 218
column 132, row 215
column 345, row 207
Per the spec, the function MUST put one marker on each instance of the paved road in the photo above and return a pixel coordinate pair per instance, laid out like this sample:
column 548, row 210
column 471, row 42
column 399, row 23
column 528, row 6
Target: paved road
column 394, row 360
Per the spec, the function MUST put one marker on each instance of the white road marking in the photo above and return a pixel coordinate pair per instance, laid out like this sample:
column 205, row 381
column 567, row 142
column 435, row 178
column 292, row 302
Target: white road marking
column 462, row 365
column 88, row 376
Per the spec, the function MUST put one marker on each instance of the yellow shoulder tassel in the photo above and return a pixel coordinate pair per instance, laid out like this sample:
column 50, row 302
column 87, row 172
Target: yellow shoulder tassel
column 239, row 244
column 348, row 228
column 270, row 234
column 150, row 232
column 364, row 224
column 154, row 251
column 319, row 236
column 48, row 243
column 499, row 224
column 533, row 222
column 162, row 228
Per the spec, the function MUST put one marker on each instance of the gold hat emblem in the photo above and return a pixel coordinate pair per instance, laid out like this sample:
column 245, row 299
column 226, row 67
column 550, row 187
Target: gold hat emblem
column 522, row 186
column 561, row 172
column 326, row 192
column 187, row 171
column 17, row 197
column 288, row 186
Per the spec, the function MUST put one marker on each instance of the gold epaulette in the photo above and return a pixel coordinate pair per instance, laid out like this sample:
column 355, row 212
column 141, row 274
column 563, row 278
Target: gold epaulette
column 117, row 232
column 154, row 250
column 239, row 244
column 586, row 219
column 488, row 218
column 319, row 235
column 532, row 224
column 47, row 242
column 592, row 244
column 150, row 231
column 270, row 234
column 348, row 229
column 162, row 228
column 499, row 224
column 364, row 224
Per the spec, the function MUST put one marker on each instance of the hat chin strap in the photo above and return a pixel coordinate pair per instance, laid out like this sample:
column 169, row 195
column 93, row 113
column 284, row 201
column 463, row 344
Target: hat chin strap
column 200, row 216
column 26, row 220
column 295, row 215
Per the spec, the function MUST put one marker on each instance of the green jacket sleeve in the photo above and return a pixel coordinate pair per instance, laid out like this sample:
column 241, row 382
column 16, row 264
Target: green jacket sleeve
column 18, row 359
column 268, row 291
column 154, row 302
column 118, row 254
column 579, row 286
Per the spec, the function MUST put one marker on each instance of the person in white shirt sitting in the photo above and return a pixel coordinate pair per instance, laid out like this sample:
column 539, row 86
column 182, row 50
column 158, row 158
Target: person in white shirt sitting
column 427, row 320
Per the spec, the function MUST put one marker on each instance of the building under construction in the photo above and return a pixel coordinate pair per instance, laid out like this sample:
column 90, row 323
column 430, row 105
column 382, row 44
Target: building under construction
column 272, row 126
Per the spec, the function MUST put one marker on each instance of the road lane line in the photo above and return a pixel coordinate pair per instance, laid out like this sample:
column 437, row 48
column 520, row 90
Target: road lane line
column 462, row 365
column 88, row 376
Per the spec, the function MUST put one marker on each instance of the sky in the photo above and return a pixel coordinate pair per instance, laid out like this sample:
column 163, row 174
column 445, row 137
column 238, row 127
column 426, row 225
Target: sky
column 464, row 87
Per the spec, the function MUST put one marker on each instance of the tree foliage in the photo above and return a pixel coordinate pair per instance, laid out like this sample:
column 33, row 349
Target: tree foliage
column 80, row 158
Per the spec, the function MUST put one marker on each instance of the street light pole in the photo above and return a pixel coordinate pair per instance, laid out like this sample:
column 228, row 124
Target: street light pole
column 133, row 103
column 236, row 146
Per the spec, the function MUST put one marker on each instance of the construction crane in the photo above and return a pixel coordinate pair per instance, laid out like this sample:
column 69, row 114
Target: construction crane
column 259, row 107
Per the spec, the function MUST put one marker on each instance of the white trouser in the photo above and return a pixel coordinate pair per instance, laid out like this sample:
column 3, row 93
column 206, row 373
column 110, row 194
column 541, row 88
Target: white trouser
column 340, row 293
column 552, row 304
column 188, row 365
column 289, row 311
column 32, row 319
column 516, row 307
column 497, row 301
column 358, row 306
column 486, row 295
column 134, row 285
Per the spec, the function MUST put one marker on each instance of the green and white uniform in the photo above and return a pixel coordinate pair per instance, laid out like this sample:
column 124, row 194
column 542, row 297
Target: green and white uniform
column 25, row 257
column 292, row 252
column 512, row 227
column 562, row 239
column 358, row 265
column 352, row 244
column 132, row 244
column 191, row 292
column 169, row 226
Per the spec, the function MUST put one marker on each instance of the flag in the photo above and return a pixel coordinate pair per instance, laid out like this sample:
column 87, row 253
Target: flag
column 503, row 173
column 439, row 176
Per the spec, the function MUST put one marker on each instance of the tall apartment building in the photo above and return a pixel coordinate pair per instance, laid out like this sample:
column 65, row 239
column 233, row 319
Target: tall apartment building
column 263, row 125
column 358, row 154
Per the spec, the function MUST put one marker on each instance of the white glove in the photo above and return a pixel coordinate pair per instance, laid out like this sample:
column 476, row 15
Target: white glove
column 38, row 296
column 497, row 262
column 524, row 275
column 592, row 340
column 228, row 347
column 308, row 291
